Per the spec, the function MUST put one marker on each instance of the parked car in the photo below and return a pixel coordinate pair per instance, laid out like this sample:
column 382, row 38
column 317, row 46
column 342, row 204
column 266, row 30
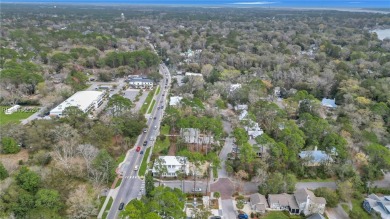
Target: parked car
column 121, row 205
column 138, row 149
column 242, row 216
column 197, row 190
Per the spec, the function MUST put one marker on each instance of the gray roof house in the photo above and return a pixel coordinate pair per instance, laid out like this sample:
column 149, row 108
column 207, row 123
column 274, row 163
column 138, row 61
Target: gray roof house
column 308, row 203
column 258, row 203
column 329, row 103
column 316, row 216
column 380, row 204
column 283, row 202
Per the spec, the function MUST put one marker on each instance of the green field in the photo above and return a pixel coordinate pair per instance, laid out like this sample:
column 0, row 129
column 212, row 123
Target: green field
column 158, row 90
column 144, row 163
column 14, row 117
column 107, row 208
column 148, row 100
column 276, row 215
column 151, row 106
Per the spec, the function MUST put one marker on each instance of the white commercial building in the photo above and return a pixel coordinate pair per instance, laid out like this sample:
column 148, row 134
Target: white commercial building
column 84, row 100
column 175, row 100
column 173, row 164
column 141, row 82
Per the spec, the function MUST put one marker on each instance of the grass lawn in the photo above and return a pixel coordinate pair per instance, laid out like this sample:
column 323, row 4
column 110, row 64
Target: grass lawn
column 144, row 163
column 148, row 100
column 165, row 129
column 276, row 215
column 107, row 208
column 158, row 90
column 14, row 117
column 358, row 208
column 345, row 207
column 161, row 145
column 151, row 106
column 118, row 182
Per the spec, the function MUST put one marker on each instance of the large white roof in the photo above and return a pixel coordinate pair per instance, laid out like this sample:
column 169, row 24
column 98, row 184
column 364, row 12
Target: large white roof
column 173, row 160
column 81, row 99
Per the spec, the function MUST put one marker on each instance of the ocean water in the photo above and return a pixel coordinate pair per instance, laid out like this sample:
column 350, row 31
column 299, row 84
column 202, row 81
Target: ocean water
column 238, row 3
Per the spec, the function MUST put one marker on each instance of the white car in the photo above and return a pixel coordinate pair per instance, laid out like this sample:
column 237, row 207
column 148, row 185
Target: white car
column 197, row 190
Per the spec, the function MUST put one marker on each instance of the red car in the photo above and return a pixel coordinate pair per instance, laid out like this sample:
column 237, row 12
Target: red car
column 138, row 149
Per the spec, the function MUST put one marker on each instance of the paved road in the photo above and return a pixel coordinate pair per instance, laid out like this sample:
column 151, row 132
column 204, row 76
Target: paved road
column 314, row 185
column 336, row 213
column 384, row 183
column 227, row 148
column 130, row 186
column 188, row 185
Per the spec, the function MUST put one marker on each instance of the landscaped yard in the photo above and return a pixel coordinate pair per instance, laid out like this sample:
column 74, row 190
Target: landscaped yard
column 358, row 209
column 14, row 117
column 144, row 163
column 158, row 90
column 280, row 215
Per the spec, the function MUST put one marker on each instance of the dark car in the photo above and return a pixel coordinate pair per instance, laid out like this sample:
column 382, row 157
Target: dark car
column 121, row 205
column 155, row 118
column 142, row 152
column 242, row 216
column 216, row 217
column 145, row 143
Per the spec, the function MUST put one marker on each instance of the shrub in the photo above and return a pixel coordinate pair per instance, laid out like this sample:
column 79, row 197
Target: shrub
column 9, row 146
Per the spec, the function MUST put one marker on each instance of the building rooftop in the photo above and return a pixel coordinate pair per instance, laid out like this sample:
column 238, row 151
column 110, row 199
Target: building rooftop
column 147, row 80
column 260, row 200
column 302, row 194
column 173, row 160
column 173, row 101
column 330, row 103
column 283, row 200
column 380, row 204
column 81, row 99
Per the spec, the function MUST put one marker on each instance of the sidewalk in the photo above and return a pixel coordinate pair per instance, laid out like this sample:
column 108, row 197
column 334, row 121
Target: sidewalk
column 112, row 193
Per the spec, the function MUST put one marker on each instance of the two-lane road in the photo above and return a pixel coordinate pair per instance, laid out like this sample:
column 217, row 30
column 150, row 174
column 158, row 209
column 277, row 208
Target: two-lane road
column 130, row 186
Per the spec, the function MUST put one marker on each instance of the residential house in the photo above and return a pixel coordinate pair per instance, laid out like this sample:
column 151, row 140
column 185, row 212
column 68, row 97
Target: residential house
column 329, row 103
column 243, row 115
column 379, row 204
column 193, row 74
column 258, row 203
column 174, row 164
column 308, row 203
column 241, row 107
column 234, row 87
column 193, row 136
column 175, row 100
column 253, row 129
column 315, row 157
column 283, row 202
column 141, row 83
column 260, row 150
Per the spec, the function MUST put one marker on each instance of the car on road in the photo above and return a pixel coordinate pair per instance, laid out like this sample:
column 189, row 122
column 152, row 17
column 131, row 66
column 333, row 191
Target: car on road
column 142, row 152
column 138, row 149
column 121, row 205
column 216, row 217
column 136, row 168
column 155, row 127
column 197, row 190
column 158, row 108
column 145, row 130
column 145, row 143
column 155, row 118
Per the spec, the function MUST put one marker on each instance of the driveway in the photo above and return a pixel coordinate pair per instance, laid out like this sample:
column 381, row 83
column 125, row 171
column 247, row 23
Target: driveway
column 223, row 186
column 227, row 148
column 315, row 185
column 336, row 213
column 228, row 209
column 384, row 183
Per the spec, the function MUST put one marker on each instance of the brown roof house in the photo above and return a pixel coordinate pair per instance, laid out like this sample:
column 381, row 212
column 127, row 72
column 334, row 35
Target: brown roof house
column 283, row 202
column 308, row 203
column 258, row 203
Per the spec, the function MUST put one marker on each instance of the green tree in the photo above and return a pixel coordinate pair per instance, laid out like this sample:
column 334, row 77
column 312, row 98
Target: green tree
column 24, row 203
column 3, row 172
column 118, row 104
column 151, row 215
column 291, row 180
column 132, row 211
column 331, row 197
column 9, row 145
column 161, row 168
column 274, row 184
column 149, row 184
column 74, row 116
column 105, row 164
column 48, row 199
column 379, row 156
column 28, row 180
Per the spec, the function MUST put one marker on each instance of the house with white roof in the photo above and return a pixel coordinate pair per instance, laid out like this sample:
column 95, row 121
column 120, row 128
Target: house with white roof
column 174, row 164
column 140, row 82
column 84, row 100
column 175, row 100
column 380, row 204
column 193, row 136
column 240, row 107
column 253, row 129
column 243, row 115
column 234, row 87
